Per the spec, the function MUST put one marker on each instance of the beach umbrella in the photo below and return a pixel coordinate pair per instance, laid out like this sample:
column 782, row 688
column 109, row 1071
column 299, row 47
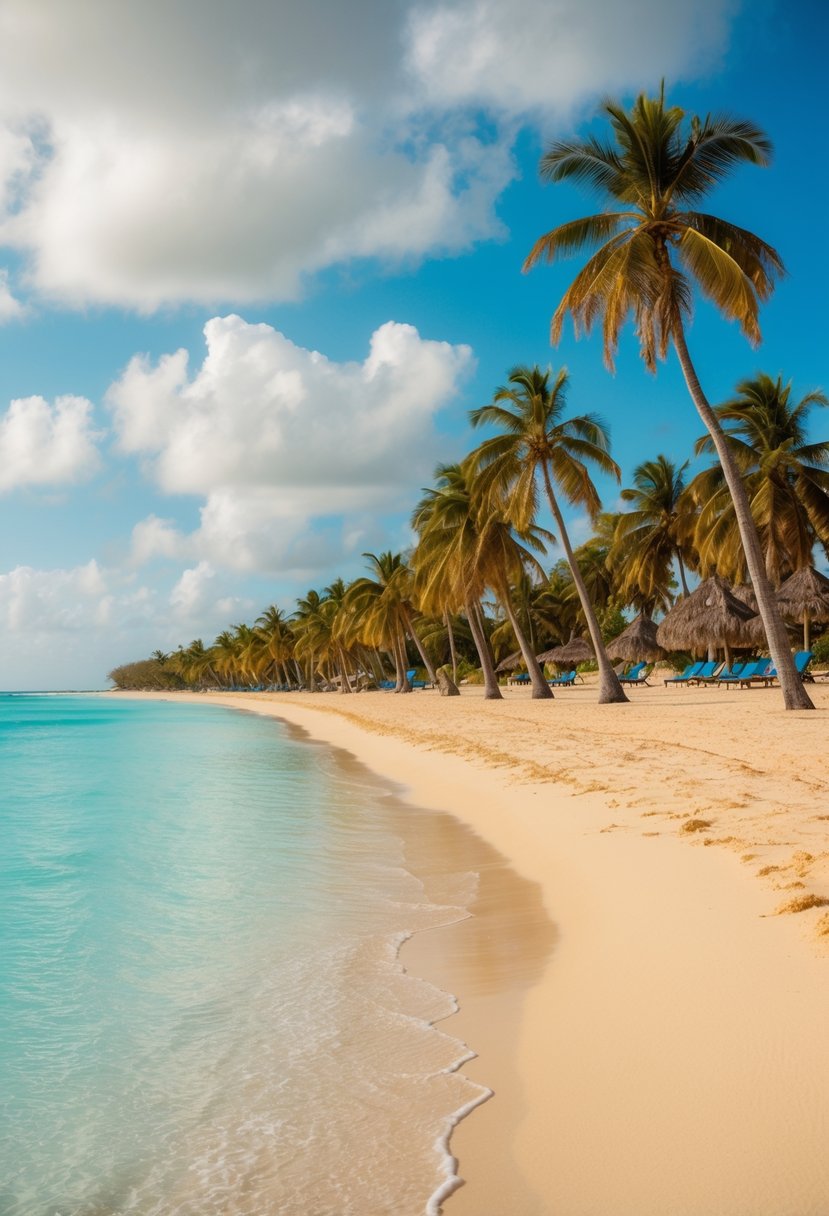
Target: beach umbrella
column 804, row 597
column 637, row 642
column 712, row 615
column 511, row 662
column 745, row 592
column 577, row 650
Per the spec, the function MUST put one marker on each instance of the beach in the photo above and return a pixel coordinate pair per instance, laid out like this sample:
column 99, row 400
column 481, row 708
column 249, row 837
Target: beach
column 662, row 1049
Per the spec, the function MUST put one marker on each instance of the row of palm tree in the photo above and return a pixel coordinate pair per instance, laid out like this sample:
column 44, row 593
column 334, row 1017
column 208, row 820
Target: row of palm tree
column 474, row 582
column 754, row 515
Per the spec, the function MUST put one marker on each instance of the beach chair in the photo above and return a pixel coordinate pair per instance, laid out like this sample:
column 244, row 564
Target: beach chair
column 522, row 678
column 566, row 680
column 801, row 663
column 706, row 671
column 636, row 675
column 752, row 675
column 725, row 675
column 690, row 671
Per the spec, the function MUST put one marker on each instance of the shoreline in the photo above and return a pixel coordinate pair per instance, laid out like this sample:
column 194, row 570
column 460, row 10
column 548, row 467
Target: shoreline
column 668, row 1056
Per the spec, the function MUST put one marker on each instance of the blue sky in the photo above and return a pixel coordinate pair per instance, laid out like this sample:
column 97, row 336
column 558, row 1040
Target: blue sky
column 258, row 266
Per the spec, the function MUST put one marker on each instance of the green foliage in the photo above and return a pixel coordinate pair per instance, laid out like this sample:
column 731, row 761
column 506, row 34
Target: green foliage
column 145, row 675
column 821, row 650
column 612, row 622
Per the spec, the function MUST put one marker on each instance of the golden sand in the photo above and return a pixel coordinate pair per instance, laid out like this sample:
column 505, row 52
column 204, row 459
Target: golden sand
column 669, row 1056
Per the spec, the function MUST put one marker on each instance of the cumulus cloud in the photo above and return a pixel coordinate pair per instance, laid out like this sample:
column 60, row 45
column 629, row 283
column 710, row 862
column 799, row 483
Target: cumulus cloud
column 47, row 445
column 158, row 153
column 273, row 436
column 53, row 601
column 548, row 56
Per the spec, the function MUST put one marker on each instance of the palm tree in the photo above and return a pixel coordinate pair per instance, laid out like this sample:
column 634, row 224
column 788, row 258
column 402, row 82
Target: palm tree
column 448, row 576
column 375, row 609
column 786, row 478
column 653, row 535
column 650, row 252
column 537, row 443
column 275, row 642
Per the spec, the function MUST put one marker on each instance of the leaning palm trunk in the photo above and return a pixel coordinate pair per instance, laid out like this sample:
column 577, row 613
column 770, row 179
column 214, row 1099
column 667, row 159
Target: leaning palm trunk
column 403, row 684
column 610, row 690
column 795, row 695
column 412, row 632
column 491, row 690
column 452, row 651
column 541, row 689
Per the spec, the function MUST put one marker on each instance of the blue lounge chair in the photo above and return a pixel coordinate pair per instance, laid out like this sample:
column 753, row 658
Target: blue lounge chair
column 566, row 680
column 705, row 672
column 636, row 675
column 801, row 663
column 521, row 678
column 758, row 672
column 725, row 676
column 690, row 671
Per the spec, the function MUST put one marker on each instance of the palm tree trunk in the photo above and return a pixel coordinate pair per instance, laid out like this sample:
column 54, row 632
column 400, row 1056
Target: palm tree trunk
column 491, row 690
column 451, row 635
column 795, row 695
column 400, row 664
column 541, row 689
column 610, row 690
column 410, row 629
column 682, row 577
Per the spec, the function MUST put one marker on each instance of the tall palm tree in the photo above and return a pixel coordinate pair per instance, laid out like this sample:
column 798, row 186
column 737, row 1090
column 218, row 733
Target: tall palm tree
column 374, row 607
column 651, row 250
column 448, row 575
column 786, row 478
column 653, row 534
column 538, row 444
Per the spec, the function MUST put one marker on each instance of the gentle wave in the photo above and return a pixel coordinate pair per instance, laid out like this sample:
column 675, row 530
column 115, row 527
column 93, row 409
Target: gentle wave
column 203, row 1005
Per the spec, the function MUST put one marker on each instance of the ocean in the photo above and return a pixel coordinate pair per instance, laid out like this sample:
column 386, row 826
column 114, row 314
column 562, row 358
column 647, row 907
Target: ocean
column 202, row 1008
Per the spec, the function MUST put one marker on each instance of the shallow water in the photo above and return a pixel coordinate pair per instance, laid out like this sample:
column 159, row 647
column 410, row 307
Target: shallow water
column 202, row 1008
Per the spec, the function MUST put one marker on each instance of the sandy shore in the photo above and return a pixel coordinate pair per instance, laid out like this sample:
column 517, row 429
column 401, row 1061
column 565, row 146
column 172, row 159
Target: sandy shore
column 663, row 1049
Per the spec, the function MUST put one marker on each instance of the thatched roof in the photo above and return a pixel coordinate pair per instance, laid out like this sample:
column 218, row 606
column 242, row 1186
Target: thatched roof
column 745, row 592
column 806, row 593
column 511, row 662
column 710, row 616
column 577, row 650
column 637, row 642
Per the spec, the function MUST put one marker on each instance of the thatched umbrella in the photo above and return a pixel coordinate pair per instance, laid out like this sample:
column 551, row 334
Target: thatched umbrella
column 637, row 642
column 710, row 616
column 805, row 597
column 746, row 593
column 577, row 650
column 511, row 662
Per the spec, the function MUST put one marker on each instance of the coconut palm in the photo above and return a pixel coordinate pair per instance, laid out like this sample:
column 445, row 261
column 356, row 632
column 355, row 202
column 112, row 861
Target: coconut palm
column 653, row 534
column 652, row 249
column 374, row 607
column 786, row 478
column 274, row 643
column 448, row 574
column 538, row 444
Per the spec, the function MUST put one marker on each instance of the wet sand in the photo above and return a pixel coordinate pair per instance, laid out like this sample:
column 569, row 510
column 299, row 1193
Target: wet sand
column 668, row 1056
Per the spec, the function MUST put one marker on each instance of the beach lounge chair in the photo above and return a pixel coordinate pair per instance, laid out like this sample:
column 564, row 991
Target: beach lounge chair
column 636, row 675
column 690, row 671
column 566, row 680
column 725, row 675
column 706, row 671
column 752, row 675
column 521, row 678
column 801, row 659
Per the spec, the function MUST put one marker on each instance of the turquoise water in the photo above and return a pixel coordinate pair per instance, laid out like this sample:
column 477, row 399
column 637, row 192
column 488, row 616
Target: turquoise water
column 201, row 1007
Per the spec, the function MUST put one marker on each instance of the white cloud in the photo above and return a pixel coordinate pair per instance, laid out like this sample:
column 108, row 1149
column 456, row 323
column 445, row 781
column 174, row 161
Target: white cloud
column 142, row 163
column 549, row 56
column 273, row 436
column 51, row 601
column 43, row 444
column 10, row 308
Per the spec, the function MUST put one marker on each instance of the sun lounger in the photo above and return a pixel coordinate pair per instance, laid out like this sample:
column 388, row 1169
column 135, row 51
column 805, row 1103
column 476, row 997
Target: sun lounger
column 705, row 672
column 801, row 663
column 566, row 680
column 725, row 676
column 636, row 675
column 690, row 671
column 753, row 674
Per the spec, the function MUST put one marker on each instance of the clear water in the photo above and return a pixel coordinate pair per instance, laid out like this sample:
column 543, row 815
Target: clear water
column 201, row 1007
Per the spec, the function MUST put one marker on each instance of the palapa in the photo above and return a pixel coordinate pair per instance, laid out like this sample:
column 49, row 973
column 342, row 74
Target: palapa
column 805, row 598
column 637, row 642
column 710, row 616
column 577, row 650
column 511, row 662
